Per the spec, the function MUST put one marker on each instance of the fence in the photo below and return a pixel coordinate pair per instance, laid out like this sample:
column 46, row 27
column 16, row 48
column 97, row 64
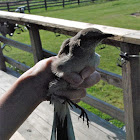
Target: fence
column 34, row 4
column 127, row 40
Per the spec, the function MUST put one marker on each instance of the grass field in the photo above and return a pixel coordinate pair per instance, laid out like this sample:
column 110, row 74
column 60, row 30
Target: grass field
column 114, row 13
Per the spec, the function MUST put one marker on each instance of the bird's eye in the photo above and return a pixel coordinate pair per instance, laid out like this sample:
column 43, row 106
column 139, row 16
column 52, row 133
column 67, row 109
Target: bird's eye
column 66, row 49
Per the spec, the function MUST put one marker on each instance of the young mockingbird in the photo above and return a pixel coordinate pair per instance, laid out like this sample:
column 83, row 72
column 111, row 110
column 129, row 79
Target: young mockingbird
column 75, row 54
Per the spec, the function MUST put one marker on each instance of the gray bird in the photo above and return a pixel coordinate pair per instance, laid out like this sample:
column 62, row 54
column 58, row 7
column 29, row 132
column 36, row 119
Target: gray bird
column 75, row 54
column 7, row 28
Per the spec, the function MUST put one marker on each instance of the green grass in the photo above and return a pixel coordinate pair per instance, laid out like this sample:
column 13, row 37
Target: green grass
column 102, row 115
column 113, row 13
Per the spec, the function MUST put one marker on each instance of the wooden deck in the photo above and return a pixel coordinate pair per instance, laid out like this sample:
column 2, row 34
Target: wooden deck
column 39, row 123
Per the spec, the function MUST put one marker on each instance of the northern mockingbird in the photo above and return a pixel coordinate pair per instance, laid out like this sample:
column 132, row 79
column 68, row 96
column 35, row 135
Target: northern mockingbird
column 75, row 54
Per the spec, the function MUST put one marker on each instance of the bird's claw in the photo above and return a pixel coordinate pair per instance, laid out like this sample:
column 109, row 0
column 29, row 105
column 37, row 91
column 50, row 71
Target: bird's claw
column 83, row 112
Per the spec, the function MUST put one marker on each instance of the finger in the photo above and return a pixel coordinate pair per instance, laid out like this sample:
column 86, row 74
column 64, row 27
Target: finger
column 87, row 71
column 47, row 62
column 91, row 80
column 73, row 78
column 42, row 66
column 76, row 79
column 72, row 94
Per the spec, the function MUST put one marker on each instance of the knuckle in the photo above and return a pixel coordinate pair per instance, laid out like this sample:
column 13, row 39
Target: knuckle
column 73, row 78
column 98, row 76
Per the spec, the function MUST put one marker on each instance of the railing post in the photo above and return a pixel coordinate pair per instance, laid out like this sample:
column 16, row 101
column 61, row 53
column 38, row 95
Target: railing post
column 2, row 61
column 8, row 8
column 28, row 5
column 36, row 43
column 63, row 3
column 78, row 2
column 45, row 2
column 131, row 87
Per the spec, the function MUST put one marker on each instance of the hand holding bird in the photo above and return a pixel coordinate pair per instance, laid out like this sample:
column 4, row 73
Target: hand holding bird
column 75, row 54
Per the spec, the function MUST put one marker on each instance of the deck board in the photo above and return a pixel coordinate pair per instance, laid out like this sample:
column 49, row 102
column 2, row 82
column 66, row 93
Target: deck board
column 39, row 123
column 17, row 136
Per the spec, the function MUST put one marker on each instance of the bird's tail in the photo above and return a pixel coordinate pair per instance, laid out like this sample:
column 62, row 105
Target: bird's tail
column 62, row 125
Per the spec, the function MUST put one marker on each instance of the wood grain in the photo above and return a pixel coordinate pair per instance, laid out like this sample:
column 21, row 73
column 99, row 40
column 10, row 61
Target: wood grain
column 110, row 78
column 122, row 35
column 16, row 44
column 131, row 86
column 36, row 43
column 16, row 64
column 128, row 40
column 38, row 125
column 104, row 107
column 2, row 61
column 17, row 136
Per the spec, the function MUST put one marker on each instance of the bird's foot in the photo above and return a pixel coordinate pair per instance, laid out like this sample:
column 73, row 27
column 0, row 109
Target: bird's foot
column 83, row 112
column 71, row 104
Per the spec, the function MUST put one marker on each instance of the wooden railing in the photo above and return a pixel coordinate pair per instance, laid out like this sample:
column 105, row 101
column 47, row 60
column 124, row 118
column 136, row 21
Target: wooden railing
column 11, row 6
column 127, row 40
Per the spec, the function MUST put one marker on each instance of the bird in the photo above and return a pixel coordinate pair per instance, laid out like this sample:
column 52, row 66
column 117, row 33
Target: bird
column 21, row 9
column 7, row 28
column 75, row 54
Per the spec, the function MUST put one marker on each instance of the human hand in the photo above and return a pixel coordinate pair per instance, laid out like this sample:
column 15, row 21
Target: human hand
column 85, row 79
column 38, row 78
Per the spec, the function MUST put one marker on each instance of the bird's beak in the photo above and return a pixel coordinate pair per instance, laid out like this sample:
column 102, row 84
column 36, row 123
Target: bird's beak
column 104, row 35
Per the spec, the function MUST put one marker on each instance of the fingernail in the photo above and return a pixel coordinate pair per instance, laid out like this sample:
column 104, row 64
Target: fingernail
column 73, row 78
column 87, row 72
column 76, row 80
